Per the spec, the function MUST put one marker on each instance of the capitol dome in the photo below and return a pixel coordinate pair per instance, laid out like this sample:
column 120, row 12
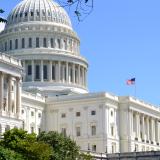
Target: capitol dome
column 40, row 34
column 38, row 10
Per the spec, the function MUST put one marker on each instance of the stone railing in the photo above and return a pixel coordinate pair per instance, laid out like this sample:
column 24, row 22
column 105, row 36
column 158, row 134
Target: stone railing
column 33, row 96
column 10, row 59
column 149, row 155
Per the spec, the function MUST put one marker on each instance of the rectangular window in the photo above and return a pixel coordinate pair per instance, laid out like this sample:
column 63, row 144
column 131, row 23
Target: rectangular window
column 37, row 42
column 39, row 115
column 32, row 129
column 5, row 46
column 10, row 44
column 37, row 72
column 112, row 130
column 53, row 73
column 93, row 113
column 78, row 131
column 78, row 114
column 63, row 115
column 93, row 130
column 59, row 43
column 30, row 42
column 44, row 42
column 64, row 131
column 16, row 44
column 29, row 70
column 94, row 148
column 45, row 72
column 23, row 43
column 32, row 113
column 52, row 43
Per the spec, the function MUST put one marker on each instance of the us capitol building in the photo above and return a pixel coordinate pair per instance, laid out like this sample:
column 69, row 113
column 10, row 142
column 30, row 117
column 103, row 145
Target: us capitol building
column 43, row 86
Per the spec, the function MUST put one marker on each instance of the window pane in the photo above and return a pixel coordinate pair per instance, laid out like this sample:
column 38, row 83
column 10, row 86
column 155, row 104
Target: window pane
column 44, row 42
column 78, row 131
column 93, row 130
column 10, row 44
column 37, row 72
column 45, row 72
column 16, row 44
column 30, row 42
column 53, row 72
column 23, row 43
column 37, row 42
column 29, row 69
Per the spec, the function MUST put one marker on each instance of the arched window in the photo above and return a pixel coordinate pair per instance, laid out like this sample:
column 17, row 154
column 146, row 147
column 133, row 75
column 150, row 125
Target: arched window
column 16, row 44
column 23, row 43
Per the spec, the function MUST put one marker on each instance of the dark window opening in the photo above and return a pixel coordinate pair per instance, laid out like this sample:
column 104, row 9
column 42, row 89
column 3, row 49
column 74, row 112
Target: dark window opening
column 23, row 43
column 37, row 42
column 16, row 44
column 10, row 44
column 44, row 42
column 29, row 70
column 53, row 73
column 30, row 42
column 37, row 72
column 45, row 72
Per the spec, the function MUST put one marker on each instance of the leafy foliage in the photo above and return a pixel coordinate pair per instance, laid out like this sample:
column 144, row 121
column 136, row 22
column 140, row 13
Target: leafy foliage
column 26, row 144
column 63, row 147
column 6, row 154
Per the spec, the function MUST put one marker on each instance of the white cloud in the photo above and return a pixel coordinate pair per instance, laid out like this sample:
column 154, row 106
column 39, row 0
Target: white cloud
column 2, row 25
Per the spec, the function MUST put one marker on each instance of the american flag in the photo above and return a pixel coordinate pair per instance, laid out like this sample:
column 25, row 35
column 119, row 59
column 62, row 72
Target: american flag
column 131, row 81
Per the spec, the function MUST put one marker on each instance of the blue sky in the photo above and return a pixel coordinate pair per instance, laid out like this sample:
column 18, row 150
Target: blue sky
column 121, row 40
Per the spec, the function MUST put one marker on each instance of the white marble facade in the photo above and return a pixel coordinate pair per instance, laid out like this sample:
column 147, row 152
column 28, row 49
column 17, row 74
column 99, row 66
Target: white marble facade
column 47, row 89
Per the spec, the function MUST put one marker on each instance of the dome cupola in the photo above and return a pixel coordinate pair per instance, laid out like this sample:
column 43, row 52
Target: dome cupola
column 38, row 10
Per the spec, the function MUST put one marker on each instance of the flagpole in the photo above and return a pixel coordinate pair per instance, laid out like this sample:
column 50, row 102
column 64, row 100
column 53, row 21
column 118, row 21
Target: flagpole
column 135, row 91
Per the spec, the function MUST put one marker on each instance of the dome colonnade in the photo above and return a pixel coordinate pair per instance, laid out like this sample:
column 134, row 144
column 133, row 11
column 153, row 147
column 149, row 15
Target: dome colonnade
column 41, row 35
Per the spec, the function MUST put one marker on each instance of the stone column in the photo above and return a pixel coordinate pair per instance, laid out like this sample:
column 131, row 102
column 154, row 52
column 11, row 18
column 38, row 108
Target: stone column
column 18, row 97
column 79, row 77
column 63, row 73
column 157, row 131
column 143, row 127
column 147, row 128
column 33, row 71
column 73, row 70
column 50, row 71
column 83, row 76
column 153, row 129
column 67, row 76
column 1, row 90
column 9, row 93
column 137, row 125
column 131, row 121
column 41, row 70
column 24, row 67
